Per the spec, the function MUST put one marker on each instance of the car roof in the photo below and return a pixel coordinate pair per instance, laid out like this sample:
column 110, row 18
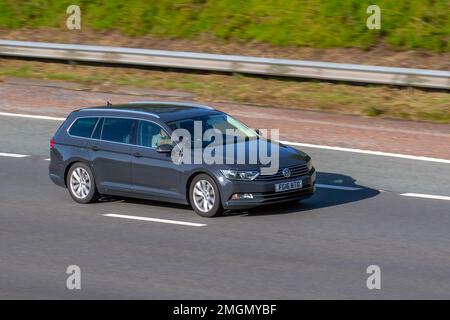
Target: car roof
column 164, row 110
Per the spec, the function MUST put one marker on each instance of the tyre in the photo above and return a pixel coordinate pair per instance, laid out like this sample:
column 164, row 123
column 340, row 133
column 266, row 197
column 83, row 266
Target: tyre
column 81, row 183
column 204, row 196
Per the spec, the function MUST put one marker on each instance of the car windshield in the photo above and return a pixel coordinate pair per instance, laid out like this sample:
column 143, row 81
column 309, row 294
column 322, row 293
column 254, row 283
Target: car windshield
column 228, row 126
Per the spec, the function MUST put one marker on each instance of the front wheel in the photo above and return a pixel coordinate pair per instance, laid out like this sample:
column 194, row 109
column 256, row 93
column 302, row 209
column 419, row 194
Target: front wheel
column 81, row 183
column 204, row 196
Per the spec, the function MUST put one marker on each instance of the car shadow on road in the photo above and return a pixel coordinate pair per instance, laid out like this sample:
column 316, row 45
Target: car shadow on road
column 324, row 197
column 328, row 194
column 138, row 201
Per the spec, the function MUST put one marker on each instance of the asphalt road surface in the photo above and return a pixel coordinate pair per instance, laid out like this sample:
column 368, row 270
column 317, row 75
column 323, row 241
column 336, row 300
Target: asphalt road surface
column 320, row 248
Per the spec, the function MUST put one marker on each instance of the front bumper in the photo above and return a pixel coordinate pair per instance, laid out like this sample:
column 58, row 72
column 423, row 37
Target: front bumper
column 264, row 192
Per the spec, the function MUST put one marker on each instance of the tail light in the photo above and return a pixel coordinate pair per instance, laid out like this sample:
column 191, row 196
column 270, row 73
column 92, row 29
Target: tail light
column 52, row 144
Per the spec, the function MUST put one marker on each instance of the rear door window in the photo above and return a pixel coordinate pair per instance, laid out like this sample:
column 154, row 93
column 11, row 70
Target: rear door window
column 118, row 130
column 82, row 127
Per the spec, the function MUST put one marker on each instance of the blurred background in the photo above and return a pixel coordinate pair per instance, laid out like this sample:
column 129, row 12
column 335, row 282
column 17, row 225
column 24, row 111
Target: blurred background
column 412, row 34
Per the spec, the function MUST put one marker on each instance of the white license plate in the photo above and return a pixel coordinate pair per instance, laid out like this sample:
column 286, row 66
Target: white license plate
column 291, row 185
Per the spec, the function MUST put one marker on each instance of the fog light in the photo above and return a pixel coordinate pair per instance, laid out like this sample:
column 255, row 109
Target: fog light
column 238, row 196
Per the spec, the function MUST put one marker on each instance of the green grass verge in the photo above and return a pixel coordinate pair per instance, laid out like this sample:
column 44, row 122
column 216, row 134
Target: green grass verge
column 405, row 24
column 373, row 101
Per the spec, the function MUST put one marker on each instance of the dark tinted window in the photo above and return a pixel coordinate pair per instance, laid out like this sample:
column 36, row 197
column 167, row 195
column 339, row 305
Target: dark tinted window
column 83, row 127
column 151, row 135
column 98, row 130
column 118, row 130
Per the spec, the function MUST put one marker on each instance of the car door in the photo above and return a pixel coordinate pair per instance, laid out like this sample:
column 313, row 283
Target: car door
column 154, row 174
column 111, row 154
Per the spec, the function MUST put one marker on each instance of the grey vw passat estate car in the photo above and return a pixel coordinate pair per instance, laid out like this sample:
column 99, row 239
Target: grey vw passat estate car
column 127, row 150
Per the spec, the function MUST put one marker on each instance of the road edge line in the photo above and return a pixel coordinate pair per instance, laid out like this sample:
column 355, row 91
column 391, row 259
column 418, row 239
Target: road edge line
column 298, row 144
column 371, row 152
column 31, row 116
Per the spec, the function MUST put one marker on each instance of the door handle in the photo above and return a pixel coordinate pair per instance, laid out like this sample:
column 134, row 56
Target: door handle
column 95, row 148
column 137, row 155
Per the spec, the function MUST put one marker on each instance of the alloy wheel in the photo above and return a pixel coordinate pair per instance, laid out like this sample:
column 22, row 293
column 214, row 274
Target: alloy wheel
column 80, row 183
column 204, row 195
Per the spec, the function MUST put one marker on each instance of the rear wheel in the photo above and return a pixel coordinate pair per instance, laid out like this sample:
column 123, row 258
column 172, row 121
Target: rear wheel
column 81, row 183
column 204, row 196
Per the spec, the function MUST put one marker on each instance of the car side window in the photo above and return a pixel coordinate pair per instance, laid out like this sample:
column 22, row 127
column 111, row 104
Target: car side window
column 151, row 135
column 82, row 127
column 118, row 130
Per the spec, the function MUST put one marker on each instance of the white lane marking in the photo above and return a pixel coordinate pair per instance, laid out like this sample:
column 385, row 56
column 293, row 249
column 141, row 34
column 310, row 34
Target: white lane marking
column 184, row 223
column 329, row 186
column 31, row 116
column 318, row 146
column 376, row 153
column 318, row 185
column 13, row 155
column 427, row 196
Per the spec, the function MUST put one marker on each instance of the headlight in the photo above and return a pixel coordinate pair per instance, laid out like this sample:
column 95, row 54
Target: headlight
column 309, row 165
column 239, row 175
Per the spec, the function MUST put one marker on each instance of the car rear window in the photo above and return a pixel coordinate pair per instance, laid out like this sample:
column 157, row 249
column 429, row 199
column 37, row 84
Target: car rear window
column 82, row 127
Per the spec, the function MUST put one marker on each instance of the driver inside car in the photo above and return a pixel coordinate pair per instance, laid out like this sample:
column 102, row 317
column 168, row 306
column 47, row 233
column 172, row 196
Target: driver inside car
column 160, row 138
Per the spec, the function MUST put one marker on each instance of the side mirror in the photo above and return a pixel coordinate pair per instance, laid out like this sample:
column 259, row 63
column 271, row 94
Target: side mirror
column 164, row 148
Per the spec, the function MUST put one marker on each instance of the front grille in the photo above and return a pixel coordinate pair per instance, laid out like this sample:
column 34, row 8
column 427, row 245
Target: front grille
column 296, row 171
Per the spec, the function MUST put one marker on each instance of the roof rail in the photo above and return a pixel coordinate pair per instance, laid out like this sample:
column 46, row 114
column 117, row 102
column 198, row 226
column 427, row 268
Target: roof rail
column 172, row 103
column 121, row 110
